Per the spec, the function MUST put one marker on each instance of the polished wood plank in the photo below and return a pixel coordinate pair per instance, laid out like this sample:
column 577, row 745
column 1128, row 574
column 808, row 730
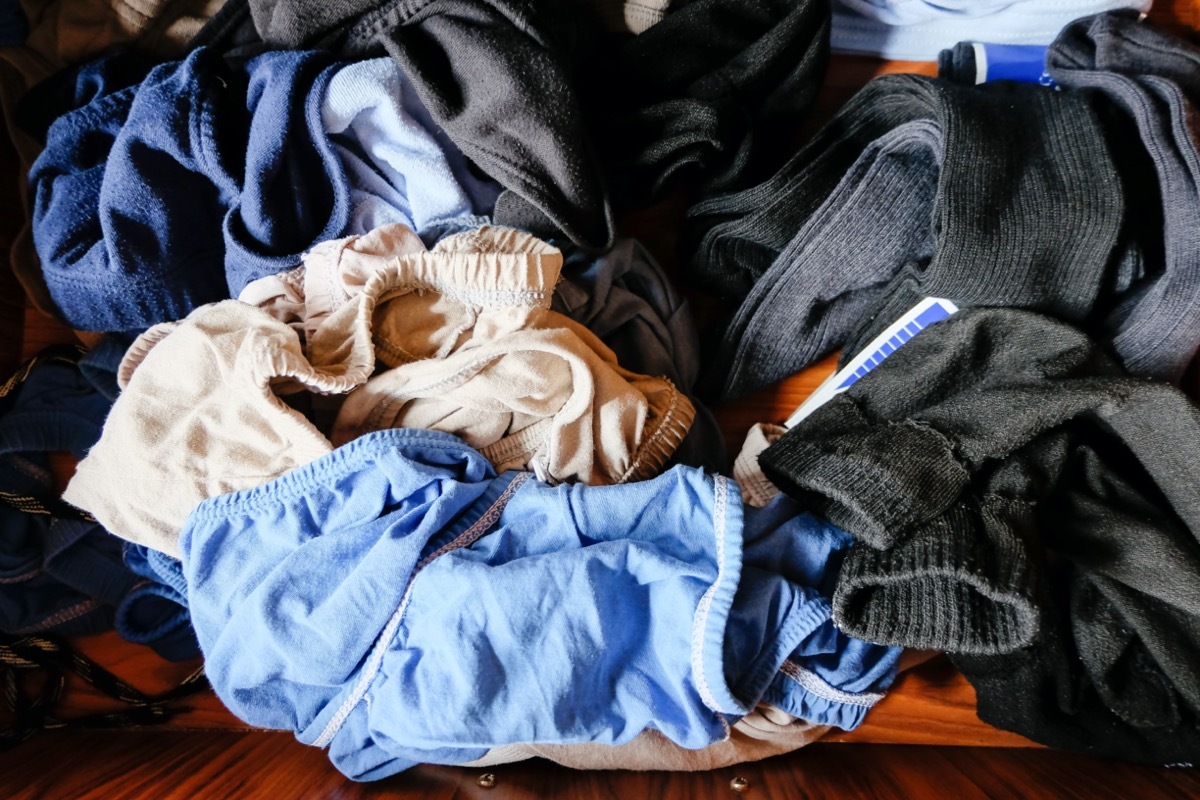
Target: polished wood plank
column 140, row 765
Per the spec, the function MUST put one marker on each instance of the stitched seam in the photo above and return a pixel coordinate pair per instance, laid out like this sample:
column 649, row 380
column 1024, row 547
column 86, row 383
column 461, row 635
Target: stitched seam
column 702, row 609
column 814, row 684
column 484, row 298
column 657, row 435
column 33, row 573
column 63, row 615
column 375, row 660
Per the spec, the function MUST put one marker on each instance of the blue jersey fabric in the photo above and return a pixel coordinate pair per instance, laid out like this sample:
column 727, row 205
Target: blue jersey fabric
column 398, row 602
column 154, row 198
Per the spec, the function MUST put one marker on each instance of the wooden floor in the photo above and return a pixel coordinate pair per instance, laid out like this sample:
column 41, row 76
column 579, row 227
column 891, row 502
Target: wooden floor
column 931, row 705
column 274, row 765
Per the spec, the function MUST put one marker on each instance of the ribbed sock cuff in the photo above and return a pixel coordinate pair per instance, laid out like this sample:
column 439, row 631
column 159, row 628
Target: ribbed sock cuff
column 964, row 584
column 876, row 480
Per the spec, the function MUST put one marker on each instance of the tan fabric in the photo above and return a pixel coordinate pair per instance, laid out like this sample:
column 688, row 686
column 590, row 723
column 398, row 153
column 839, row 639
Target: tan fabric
column 628, row 16
column 763, row 733
column 757, row 489
column 63, row 33
column 474, row 350
column 200, row 415
column 332, row 274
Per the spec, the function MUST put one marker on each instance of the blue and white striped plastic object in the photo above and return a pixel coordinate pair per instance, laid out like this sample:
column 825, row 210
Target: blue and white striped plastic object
column 917, row 319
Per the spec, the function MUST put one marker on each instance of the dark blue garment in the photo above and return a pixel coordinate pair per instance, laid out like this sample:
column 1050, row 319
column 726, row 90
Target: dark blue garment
column 58, row 572
column 76, row 86
column 155, row 611
column 398, row 602
column 626, row 299
column 157, row 198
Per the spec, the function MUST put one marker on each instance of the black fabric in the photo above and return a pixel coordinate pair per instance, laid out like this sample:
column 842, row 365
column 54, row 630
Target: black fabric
column 491, row 74
column 711, row 94
column 1023, row 504
column 957, row 64
column 999, row 195
column 33, row 671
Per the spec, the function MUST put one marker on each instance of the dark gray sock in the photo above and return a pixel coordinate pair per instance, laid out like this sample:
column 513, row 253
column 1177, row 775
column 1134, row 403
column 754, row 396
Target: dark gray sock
column 1153, row 79
column 1022, row 503
column 1000, row 195
column 729, row 241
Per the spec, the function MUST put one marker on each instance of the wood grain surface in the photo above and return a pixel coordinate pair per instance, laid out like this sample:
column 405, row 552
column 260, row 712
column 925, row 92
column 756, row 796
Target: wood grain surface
column 186, row 765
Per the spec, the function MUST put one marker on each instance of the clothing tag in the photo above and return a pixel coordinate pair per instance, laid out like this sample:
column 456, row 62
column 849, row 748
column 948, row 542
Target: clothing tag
column 1012, row 62
column 917, row 319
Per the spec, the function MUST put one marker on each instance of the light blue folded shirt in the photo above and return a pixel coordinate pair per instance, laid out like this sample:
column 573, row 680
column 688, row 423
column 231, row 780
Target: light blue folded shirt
column 401, row 166
column 917, row 30
column 398, row 602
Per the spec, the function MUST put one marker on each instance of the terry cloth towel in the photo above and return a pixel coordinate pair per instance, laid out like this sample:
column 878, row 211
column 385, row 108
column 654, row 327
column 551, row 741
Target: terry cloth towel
column 917, row 30
column 997, row 195
column 459, row 610
column 1146, row 84
column 160, row 197
column 712, row 94
column 61, row 34
column 401, row 167
column 472, row 348
column 493, row 77
column 626, row 299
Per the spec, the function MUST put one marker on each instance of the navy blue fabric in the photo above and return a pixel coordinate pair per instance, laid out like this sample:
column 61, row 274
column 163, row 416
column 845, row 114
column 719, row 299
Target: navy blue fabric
column 398, row 602
column 626, row 299
column 61, row 572
column 13, row 25
column 155, row 611
column 57, row 574
column 77, row 86
column 159, row 197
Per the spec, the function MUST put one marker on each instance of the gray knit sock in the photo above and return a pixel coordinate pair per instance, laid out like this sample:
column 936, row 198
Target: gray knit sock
column 998, row 195
column 1154, row 79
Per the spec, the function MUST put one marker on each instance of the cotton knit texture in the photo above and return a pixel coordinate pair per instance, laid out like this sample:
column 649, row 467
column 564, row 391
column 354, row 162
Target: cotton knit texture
column 626, row 299
column 62, row 34
column 492, row 76
column 181, row 189
column 1153, row 80
column 709, row 96
column 436, row 610
column 998, row 195
column 1019, row 501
